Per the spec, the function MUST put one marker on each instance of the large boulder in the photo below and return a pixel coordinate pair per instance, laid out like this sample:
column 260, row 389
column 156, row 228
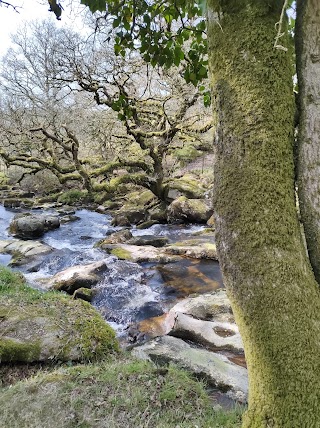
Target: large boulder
column 202, row 337
column 31, row 226
column 212, row 334
column 209, row 307
column 184, row 210
column 188, row 185
column 217, row 369
column 134, row 209
column 37, row 326
column 206, row 320
column 24, row 248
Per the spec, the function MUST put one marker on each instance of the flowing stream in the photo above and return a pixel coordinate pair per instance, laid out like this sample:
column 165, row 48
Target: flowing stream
column 129, row 292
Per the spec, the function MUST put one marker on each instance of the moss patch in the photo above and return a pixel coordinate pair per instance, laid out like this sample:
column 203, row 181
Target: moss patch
column 11, row 350
column 121, row 253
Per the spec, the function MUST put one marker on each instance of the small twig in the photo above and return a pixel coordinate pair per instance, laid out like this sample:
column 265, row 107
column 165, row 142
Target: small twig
column 7, row 4
column 279, row 26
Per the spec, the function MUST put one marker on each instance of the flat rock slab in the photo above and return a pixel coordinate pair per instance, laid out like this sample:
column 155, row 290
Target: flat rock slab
column 139, row 254
column 26, row 248
column 201, row 250
column 212, row 334
column 210, row 307
column 217, row 369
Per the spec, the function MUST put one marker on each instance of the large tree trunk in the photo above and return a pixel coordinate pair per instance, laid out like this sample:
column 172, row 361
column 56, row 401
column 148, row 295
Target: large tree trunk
column 265, row 268
column 308, row 168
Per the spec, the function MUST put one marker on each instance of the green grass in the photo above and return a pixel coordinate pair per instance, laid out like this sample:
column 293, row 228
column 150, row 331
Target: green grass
column 120, row 394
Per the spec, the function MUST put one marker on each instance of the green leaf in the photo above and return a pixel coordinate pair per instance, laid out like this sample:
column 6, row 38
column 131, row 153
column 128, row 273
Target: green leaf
column 95, row 5
column 203, row 71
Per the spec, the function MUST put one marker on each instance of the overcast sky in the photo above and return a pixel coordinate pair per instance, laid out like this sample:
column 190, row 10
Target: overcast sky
column 30, row 10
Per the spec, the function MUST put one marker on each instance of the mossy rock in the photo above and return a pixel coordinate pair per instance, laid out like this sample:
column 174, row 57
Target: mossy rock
column 82, row 293
column 184, row 210
column 46, row 326
column 140, row 198
column 188, row 185
column 139, row 254
column 52, row 197
column 147, row 224
column 126, row 217
column 159, row 212
column 136, row 208
column 186, row 154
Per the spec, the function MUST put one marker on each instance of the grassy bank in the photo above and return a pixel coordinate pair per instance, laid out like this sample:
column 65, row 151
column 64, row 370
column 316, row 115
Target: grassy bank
column 123, row 394
column 117, row 392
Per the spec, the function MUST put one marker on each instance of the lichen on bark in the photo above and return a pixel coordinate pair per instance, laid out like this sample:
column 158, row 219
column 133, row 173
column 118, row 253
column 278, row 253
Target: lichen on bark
column 273, row 292
column 307, row 35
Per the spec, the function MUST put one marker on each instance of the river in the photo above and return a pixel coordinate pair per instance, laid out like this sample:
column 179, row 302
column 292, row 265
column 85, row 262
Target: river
column 129, row 292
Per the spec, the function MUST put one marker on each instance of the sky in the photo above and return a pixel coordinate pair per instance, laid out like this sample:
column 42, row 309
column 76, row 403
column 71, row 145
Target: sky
column 30, row 10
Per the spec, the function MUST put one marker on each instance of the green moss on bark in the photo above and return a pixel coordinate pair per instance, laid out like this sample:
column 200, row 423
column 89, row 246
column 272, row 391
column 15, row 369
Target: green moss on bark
column 273, row 292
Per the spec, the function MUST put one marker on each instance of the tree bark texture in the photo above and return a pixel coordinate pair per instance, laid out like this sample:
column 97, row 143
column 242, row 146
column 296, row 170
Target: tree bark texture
column 308, row 146
column 266, row 271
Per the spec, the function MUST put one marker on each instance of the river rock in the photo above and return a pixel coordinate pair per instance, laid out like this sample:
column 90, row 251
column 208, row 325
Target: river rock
column 139, row 254
column 130, row 216
column 66, row 210
column 189, row 185
column 184, row 210
column 155, row 241
column 30, row 226
column 84, row 293
column 217, row 369
column 23, row 251
column 199, row 246
column 209, row 307
column 195, row 250
column 69, row 218
column 158, row 213
column 81, row 276
column 17, row 202
column 118, row 237
column 206, row 320
column 212, row 334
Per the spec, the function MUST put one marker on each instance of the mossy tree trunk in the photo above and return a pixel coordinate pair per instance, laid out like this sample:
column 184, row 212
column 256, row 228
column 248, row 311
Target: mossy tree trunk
column 308, row 166
column 266, row 271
